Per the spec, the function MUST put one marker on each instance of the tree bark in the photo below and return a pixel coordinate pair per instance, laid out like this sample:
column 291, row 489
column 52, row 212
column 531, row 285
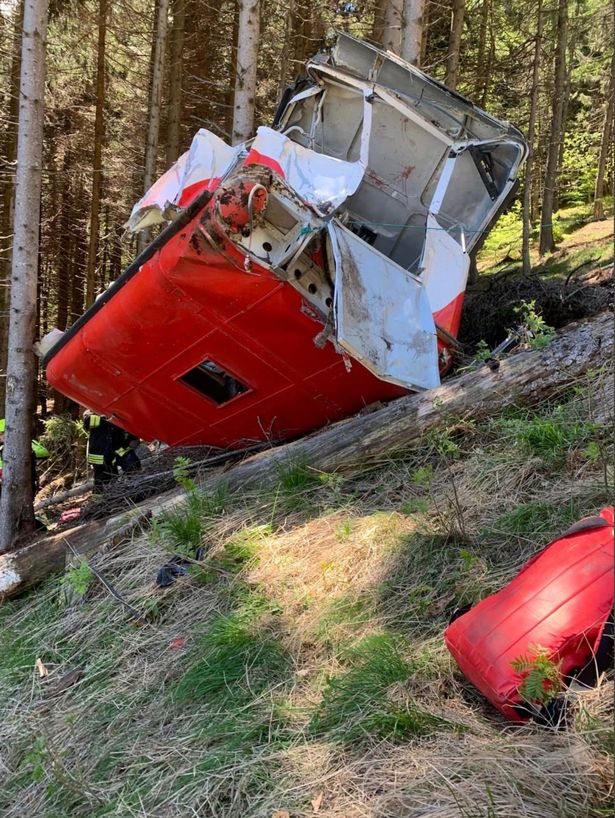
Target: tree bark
column 531, row 134
column 606, row 147
column 16, row 501
column 378, row 23
column 547, row 242
column 454, row 44
column 245, row 76
column 175, row 81
column 99, row 129
column 485, row 13
column 286, row 48
column 391, row 31
column 153, row 126
column 351, row 445
column 6, row 220
column 412, row 31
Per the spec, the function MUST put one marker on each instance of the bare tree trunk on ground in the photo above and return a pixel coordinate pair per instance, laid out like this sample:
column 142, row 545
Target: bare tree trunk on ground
column 99, row 129
column 245, row 77
column 153, row 127
column 391, row 32
column 354, row 444
column 606, row 147
column 454, row 44
column 531, row 133
column 547, row 242
column 16, row 501
column 175, row 81
column 412, row 30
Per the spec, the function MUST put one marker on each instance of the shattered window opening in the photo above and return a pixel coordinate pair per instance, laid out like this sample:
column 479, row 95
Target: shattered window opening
column 213, row 382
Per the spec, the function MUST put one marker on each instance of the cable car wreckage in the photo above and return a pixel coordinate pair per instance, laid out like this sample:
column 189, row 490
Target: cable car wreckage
column 305, row 274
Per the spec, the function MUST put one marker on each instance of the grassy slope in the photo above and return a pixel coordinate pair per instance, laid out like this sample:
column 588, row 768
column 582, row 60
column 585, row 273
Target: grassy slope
column 299, row 668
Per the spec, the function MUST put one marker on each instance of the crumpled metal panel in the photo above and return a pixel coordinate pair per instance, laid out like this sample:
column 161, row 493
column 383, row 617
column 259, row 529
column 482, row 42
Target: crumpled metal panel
column 382, row 313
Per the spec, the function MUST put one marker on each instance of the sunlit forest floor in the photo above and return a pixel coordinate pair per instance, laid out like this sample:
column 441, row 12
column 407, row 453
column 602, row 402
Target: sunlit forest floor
column 298, row 668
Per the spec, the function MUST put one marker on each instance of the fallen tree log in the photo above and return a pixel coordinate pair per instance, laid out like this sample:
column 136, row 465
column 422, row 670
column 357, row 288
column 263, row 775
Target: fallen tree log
column 60, row 497
column 348, row 446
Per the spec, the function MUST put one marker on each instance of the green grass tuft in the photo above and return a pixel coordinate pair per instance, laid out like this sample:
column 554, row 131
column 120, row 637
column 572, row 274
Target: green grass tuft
column 363, row 702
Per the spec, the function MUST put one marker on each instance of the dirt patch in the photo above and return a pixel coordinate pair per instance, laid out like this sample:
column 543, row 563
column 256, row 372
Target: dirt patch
column 490, row 307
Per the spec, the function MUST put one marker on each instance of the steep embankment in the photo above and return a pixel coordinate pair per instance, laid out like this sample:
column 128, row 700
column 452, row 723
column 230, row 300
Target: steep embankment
column 298, row 668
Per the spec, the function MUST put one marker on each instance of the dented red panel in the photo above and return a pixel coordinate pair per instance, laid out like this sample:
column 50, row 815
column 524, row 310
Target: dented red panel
column 189, row 304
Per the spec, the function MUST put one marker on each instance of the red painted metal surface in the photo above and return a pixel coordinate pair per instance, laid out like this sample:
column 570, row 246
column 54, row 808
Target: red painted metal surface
column 192, row 303
column 560, row 601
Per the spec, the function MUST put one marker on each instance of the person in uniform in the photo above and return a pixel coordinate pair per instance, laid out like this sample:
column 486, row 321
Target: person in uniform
column 109, row 449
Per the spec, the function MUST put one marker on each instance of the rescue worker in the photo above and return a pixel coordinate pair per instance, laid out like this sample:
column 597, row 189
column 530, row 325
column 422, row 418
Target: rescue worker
column 38, row 453
column 109, row 447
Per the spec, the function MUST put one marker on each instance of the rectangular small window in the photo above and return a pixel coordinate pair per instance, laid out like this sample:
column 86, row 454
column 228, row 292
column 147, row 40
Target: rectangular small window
column 212, row 381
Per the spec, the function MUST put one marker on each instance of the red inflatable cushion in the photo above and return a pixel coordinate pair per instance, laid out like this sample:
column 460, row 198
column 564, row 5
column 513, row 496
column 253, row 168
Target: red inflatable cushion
column 560, row 601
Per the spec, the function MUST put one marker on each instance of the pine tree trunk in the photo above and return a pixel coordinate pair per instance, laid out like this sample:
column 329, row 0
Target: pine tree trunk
column 99, row 129
column 378, row 24
column 531, row 133
column 286, row 47
column 573, row 31
column 232, row 70
column 6, row 217
column 153, row 125
column 16, row 501
column 175, row 81
column 425, row 38
column 479, row 87
column 412, row 30
column 547, row 242
column 245, row 77
column 391, row 34
column 606, row 148
column 454, row 44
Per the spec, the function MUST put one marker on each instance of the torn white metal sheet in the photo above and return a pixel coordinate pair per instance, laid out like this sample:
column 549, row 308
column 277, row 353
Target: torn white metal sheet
column 445, row 266
column 383, row 316
column 205, row 163
column 322, row 181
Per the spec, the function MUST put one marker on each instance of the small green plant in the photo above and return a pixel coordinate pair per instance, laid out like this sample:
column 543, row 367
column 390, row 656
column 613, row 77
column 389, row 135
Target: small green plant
column 441, row 442
column 542, row 679
column 482, row 351
column 78, row 577
column 241, row 549
column 344, row 531
column 539, row 332
column 417, row 505
column 37, row 758
column 422, row 476
column 592, row 452
column 181, row 474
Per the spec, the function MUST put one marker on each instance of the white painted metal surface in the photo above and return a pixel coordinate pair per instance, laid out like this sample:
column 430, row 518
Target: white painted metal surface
column 383, row 317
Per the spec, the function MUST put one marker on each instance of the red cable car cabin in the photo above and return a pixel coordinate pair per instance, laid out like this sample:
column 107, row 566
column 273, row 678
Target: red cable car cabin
column 310, row 273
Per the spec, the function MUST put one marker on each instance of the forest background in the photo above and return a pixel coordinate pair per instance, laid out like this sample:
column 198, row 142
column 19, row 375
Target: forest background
column 545, row 65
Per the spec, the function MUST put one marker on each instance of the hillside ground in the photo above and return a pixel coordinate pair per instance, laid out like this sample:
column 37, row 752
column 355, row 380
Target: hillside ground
column 298, row 667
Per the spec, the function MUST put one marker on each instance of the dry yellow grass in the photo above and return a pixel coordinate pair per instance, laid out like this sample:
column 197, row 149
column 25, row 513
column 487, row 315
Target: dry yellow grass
column 385, row 556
